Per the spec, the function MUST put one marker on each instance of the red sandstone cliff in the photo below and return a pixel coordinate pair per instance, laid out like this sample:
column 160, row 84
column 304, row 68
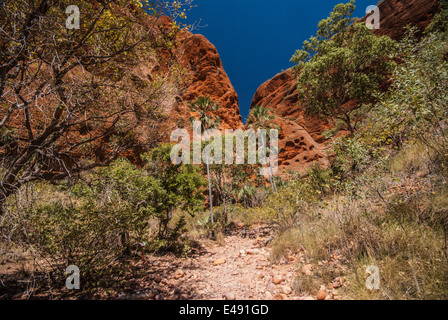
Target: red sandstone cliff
column 397, row 14
column 301, row 141
column 208, row 78
column 202, row 72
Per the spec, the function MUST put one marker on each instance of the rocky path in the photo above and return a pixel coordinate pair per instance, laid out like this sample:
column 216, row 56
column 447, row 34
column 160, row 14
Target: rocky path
column 239, row 269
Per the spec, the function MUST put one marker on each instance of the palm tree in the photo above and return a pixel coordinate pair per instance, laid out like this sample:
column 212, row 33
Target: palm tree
column 260, row 118
column 204, row 107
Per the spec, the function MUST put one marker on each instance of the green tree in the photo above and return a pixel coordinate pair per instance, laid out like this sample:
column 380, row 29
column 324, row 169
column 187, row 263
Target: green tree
column 416, row 105
column 222, row 180
column 133, row 192
column 229, row 179
column 110, row 211
column 260, row 117
column 205, row 107
column 344, row 63
column 181, row 186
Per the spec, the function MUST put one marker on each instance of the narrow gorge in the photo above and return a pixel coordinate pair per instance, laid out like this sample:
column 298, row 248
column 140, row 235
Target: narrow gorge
column 301, row 143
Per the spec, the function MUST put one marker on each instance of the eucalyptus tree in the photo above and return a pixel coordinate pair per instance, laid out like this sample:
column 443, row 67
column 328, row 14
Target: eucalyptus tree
column 341, row 68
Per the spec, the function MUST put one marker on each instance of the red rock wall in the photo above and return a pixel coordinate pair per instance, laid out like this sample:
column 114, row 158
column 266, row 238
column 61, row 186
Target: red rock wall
column 397, row 14
column 300, row 138
column 208, row 78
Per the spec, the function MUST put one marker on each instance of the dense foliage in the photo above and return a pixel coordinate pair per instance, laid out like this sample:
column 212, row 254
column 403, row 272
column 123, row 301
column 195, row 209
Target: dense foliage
column 69, row 93
column 341, row 68
column 115, row 211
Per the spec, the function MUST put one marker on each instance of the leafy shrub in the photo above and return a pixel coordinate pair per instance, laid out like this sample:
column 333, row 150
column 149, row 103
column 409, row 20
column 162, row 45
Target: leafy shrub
column 110, row 214
column 283, row 209
column 182, row 187
column 85, row 236
column 416, row 107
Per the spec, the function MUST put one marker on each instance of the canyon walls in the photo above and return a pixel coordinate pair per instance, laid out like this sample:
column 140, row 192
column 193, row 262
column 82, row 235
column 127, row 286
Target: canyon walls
column 301, row 142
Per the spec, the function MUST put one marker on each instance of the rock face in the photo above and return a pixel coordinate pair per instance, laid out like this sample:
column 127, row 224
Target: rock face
column 171, row 71
column 208, row 78
column 301, row 142
column 200, row 73
column 300, row 138
column 397, row 14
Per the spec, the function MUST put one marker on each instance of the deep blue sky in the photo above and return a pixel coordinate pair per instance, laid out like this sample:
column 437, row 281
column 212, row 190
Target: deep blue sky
column 256, row 38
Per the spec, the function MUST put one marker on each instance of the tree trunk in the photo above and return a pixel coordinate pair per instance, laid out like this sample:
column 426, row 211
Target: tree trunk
column 124, row 243
column 271, row 177
column 210, row 191
column 225, row 210
column 245, row 217
column 348, row 122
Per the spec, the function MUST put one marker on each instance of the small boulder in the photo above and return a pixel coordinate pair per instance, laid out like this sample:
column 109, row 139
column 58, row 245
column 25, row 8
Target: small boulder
column 230, row 296
column 286, row 290
column 179, row 274
column 322, row 294
column 279, row 296
column 219, row 262
column 277, row 279
column 307, row 269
